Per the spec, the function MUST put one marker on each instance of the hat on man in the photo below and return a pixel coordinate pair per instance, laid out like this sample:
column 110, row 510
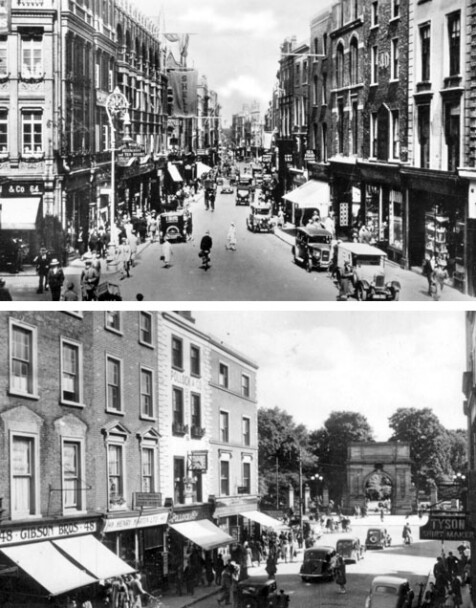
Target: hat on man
column 88, row 261
column 54, row 262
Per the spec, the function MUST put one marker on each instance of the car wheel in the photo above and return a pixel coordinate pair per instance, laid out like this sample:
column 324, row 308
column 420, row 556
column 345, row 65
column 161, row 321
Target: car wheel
column 361, row 296
column 309, row 264
column 304, row 579
column 173, row 232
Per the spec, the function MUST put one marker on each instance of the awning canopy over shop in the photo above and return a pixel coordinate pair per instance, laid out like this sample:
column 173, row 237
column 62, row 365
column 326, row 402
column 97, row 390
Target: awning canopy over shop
column 311, row 194
column 263, row 519
column 93, row 556
column 19, row 213
column 203, row 533
column 174, row 173
column 50, row 568
column 202, row 168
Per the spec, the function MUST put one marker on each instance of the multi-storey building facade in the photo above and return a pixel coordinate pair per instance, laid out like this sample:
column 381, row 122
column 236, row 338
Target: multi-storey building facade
column 234, row 439
column 109, row 427
column 396, row 78
column 61, row 62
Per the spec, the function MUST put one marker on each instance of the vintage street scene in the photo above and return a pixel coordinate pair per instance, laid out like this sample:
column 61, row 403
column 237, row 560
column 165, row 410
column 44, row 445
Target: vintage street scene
column 170, row 459
column 180, row 151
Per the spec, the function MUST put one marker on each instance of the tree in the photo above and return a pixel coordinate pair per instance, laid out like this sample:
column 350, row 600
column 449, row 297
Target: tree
column 458, row 448
column 330, row 444
column 429, row 443
column 281, row 442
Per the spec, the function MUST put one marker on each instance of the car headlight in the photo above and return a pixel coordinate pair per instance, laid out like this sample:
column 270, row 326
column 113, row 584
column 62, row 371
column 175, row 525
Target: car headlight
column 317, row 254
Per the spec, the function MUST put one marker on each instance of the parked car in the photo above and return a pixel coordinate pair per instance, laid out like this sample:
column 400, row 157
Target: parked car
column 318, row 563
column 368, row 266
column 227, row 190
column 259, row 218
column 350, row 548
column 257, row 592
column 377, row 538
column 243, row 195
column 390, row 592
column 312, row 248
column 175, row 225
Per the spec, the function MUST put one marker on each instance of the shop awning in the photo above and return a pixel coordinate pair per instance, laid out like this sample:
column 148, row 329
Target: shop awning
column 93, row 556
column 263, row 519
column 202, row 168
column 203, row 533
column 311, row 194
column 174, row 173
column 44, row 563
column 19, row 213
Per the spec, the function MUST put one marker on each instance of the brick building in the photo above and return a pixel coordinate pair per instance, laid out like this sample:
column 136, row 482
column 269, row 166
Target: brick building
column 110, row 430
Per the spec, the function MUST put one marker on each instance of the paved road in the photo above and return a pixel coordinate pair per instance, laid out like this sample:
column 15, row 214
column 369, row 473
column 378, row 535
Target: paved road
column 261, row 269
column 414, row 562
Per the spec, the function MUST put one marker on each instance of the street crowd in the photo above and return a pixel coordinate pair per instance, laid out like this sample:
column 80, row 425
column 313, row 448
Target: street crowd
column 450, row 573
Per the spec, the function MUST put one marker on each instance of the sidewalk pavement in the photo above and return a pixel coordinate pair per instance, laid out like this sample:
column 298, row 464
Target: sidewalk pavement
column 412, row 279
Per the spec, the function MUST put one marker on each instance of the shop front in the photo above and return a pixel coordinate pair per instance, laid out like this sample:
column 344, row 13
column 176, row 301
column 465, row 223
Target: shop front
column 436, row 221
column 192, row 532
column 229, row 512
column 346, row 195
column 139, row 538
column 301, row 203
column 22, row 225
column 383, row 207
column 39, row 561
column 137, row 185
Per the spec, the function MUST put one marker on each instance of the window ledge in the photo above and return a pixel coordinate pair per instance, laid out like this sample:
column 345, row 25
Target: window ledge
column 394, row 19
column 72, row 403
column 113, row 330
column 33, row 156
column 199, row 376
column 148, row 418
column 33, row 396
column 178, row 369
column 148, row 344
column 118, row 413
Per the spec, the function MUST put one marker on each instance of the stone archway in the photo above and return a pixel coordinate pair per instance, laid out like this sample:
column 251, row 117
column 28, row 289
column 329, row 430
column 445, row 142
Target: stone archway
column 379, row 468
column 379, row 487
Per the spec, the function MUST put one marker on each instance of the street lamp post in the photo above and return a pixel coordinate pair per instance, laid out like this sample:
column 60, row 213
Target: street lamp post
column 116, row 106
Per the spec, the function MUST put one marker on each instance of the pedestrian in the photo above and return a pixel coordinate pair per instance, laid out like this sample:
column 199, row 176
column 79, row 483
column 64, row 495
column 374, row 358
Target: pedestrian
column 218, row 567
column 5, row 294
column 42, row 262
column 166, row 255
column 452, row 564
column 440, row 275
column 231, row 237
column 428, row 270
column 281, row 220
column 226, row 584
column 80, row 242
column 189, row 576
column 407, row 534
column 211, row 198
column 70, row 294
column 282, row 600
column 153, row 228
column 205, row 248
column 382, row 513
column 125, row 255
column 89, row 282
column 345, row 281
column 340, row 575
column 55, row 279
column 137, row 591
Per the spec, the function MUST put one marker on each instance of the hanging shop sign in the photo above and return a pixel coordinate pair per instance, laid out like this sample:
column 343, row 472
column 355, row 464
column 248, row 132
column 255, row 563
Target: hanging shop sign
column 21, row 189
column 117, row 524
column 447, row 526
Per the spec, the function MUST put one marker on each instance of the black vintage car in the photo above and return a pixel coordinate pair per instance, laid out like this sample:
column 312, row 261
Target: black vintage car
column 318, row 563
column 175, row 225
column 257, row 592
column 312, row 248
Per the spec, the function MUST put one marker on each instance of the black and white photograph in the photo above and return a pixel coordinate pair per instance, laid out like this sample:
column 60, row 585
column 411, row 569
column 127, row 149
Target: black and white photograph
column 170, row 459
column 237, row 151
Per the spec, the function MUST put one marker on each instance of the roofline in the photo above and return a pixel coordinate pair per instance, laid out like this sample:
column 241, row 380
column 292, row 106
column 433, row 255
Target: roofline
column 213, row 340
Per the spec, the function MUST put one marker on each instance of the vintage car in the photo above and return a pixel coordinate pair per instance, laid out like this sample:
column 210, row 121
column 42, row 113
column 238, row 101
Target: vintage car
column 318, row 563
column 175, row 225
column 227, row 190
column 388, row 591
column 312, row 248
column 259, row 218
column 377, row 538
column 257, row 592
column 350, row 549
column 243, row 194
column 368, row 266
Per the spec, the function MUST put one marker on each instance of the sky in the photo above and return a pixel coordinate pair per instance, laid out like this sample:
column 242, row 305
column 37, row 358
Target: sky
column 236, row 44
column 314, row 363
